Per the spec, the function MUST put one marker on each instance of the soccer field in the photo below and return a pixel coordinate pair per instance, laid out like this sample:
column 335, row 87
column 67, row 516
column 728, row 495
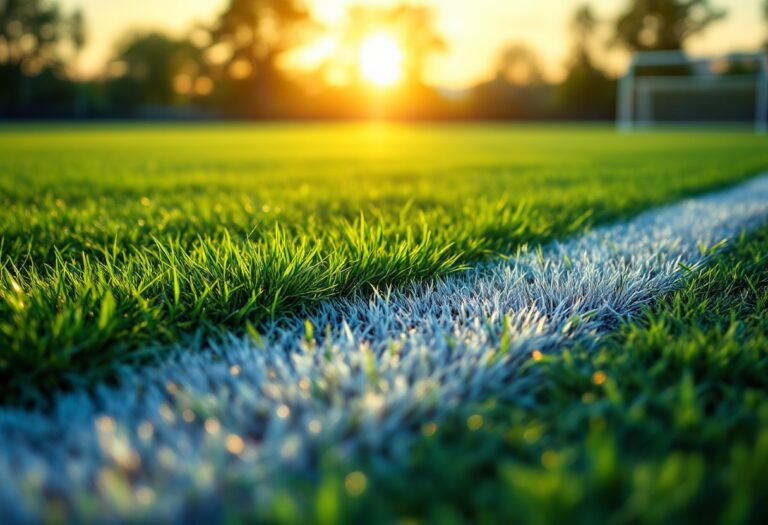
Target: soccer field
column 126, row 239
column 131, row 253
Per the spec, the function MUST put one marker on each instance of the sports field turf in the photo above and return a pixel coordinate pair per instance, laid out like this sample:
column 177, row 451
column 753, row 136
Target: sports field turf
column 704, row 349
column 120, row 241
column 618, row 377
column 665, row 421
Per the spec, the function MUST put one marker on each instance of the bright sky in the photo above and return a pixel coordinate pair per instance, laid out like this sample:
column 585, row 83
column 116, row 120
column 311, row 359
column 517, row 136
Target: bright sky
column 474, row 29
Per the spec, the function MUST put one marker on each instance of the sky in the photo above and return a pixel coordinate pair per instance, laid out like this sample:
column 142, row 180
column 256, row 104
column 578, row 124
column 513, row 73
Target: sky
column 475, row 30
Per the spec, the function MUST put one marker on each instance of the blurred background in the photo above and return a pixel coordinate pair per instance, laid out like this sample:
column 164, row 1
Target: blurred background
column 346, row 59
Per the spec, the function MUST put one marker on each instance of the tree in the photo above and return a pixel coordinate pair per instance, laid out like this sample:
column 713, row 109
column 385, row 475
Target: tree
column 412, row 26
column 765, row 15
column 248, row 40
column 518, row 89
column 586, row 91
column 35, row 38
column 33, row 33
column 583, row 25
column 348, row 91
column 150, row 64
column 518, row 64
column 649, row 25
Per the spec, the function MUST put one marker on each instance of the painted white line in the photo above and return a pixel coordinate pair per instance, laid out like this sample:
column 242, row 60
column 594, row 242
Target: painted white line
column 373, row 372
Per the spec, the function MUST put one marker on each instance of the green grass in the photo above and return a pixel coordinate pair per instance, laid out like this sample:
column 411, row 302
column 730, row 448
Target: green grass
column 119, row 241
column 666, row 421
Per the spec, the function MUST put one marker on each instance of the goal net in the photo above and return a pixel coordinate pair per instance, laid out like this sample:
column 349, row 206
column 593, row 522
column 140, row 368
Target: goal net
column 670, row 87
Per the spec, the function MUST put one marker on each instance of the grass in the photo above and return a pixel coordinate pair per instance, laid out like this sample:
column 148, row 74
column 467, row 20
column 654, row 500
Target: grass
column 218, row 432
column 117, row 242
column 666, row 421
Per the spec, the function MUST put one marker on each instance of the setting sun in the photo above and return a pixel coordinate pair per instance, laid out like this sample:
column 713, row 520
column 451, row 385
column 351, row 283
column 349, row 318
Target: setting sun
column 380, row 60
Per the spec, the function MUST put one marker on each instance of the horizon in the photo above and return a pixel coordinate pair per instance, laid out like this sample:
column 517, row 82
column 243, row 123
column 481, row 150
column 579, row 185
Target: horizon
column 471, row 48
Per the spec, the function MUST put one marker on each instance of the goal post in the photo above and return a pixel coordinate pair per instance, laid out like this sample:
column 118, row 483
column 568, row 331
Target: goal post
column 672, row 87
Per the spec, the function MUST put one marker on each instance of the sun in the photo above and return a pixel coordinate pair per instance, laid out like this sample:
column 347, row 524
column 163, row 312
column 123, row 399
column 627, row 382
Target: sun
column 380, row 60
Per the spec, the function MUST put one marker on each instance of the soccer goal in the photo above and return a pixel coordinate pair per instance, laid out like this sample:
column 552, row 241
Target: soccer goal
column 670, row 87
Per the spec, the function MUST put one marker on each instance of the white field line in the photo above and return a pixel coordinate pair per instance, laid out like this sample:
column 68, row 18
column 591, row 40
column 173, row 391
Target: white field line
column 244, row 414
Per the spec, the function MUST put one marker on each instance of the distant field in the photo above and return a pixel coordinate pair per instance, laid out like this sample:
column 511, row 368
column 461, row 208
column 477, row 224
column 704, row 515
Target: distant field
column 118, row 241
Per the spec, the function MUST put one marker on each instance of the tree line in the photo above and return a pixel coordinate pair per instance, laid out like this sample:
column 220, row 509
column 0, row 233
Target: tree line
column 234, row 66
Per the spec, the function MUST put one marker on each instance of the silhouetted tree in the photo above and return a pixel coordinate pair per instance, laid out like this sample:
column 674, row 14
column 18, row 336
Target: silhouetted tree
column 248, row 40
column 663, row 24
column 765, row 15
column 412, row 26
column 35, row 39
column 518, row 64
column 414, row 32
column 151, row 64
column 583, row 25
column 586, row 91
column 518, row 89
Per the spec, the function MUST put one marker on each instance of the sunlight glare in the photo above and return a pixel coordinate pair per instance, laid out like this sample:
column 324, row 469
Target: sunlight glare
column 380, row 60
